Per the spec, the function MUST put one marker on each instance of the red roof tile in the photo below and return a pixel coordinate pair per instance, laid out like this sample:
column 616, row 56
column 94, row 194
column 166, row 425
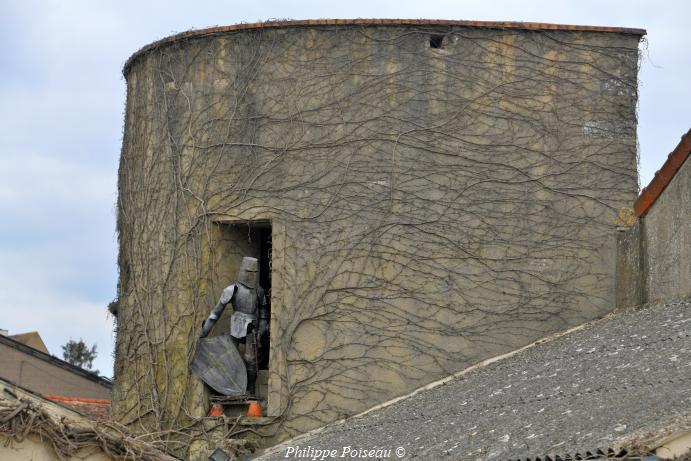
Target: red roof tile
column 663, row 176
column 95, row 409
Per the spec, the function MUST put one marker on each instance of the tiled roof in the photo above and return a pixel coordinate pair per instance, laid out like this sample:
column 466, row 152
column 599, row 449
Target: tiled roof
column 95, row 409
column 378, row 22
column 663, row 176
column 595, row 388
column 66, row 434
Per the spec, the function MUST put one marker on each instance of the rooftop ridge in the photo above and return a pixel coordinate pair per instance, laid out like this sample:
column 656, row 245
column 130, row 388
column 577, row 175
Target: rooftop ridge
column 537, row 26
column 663, row 176
column 55, row 361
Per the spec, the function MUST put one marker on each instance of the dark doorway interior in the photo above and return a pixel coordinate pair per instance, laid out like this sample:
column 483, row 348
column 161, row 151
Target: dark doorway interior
column 232, row 241
column 264, row 237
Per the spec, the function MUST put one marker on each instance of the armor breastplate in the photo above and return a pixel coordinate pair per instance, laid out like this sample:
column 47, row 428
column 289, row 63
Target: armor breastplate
column 246, row 300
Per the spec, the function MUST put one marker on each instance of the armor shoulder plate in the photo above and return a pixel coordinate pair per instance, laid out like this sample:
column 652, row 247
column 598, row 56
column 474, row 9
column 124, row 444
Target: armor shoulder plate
column 227, row 294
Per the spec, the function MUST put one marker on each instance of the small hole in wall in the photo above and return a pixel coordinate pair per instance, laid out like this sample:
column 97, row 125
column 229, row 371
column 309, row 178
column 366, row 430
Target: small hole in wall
column 436, row 41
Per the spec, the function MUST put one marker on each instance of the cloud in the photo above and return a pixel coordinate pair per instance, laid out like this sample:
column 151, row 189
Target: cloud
column 44, row 289
column 58, row 319
column 63, row 95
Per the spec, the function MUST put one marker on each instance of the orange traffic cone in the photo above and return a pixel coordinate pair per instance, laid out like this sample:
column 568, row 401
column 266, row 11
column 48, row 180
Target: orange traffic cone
column 254, row 409
column 216, row 410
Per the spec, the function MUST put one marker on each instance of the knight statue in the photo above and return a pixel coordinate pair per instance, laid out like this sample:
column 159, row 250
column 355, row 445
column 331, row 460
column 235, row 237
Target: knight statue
column 249, row 324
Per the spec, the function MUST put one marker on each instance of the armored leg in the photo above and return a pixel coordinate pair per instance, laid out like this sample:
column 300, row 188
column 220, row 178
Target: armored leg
column 250, row 358
column 251, row 361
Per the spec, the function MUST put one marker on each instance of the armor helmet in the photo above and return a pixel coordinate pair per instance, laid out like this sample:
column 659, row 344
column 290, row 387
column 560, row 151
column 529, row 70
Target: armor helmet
column 249, row 272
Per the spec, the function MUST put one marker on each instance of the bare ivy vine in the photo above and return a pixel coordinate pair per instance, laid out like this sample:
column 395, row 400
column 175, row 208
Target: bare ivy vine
column 438, row 195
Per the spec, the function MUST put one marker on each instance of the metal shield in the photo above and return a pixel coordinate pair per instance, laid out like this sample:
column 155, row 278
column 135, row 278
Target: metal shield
column 218, row 363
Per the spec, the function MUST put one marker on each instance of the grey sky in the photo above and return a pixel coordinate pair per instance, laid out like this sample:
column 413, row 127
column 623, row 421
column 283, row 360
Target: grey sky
column 61, row 105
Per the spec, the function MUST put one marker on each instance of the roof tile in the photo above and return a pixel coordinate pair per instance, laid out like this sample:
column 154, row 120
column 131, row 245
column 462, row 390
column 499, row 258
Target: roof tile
column 663, row 176
column 94, row 409
column 617, row 385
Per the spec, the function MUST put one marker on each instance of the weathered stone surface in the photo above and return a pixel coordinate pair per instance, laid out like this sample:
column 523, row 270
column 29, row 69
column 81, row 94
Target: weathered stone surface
column 630, row 278
column 430, row 207
column 666, row 230
column 654, row 255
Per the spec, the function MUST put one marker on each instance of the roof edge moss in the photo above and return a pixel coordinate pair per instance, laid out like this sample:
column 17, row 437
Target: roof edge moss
column 537, row 26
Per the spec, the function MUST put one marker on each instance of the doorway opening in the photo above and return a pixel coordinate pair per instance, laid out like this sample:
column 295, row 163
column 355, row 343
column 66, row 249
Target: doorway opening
column 231, row 242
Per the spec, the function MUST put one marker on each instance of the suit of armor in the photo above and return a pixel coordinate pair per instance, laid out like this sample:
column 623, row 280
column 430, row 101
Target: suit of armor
column 250, row 320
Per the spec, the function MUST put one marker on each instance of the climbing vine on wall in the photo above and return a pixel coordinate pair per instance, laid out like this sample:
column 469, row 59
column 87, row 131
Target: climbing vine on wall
column 438, row 195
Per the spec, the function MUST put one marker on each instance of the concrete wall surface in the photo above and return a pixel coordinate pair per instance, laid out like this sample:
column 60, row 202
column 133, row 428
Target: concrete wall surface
column 430, row 207
column 654, row 254
column 666, row 241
